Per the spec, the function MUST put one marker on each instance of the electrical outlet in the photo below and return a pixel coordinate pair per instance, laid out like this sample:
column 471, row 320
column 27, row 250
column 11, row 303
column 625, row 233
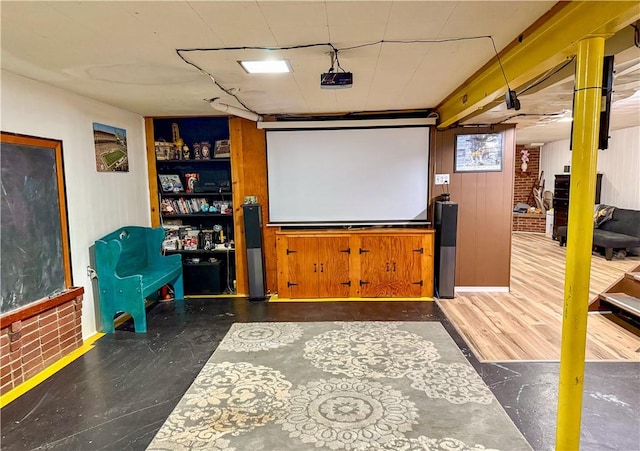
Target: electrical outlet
column 442, row 179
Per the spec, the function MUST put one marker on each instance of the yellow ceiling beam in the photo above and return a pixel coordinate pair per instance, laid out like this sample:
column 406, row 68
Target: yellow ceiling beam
column 545, row 44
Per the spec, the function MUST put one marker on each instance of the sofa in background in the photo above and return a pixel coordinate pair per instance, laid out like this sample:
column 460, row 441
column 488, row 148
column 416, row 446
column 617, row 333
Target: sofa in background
column 622, row 231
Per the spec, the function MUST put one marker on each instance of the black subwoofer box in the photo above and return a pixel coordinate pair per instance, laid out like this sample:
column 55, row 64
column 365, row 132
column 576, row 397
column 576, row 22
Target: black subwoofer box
column 202, row 278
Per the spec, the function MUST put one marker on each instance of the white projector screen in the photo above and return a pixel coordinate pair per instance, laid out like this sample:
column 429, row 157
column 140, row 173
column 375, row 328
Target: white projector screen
column 349, row 176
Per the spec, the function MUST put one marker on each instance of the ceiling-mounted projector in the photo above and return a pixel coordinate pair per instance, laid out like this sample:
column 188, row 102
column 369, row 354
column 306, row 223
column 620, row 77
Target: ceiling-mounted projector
column 336, row 80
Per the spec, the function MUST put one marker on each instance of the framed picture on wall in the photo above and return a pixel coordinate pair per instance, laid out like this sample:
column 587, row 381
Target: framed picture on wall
column 110, row 148
column 478, row 152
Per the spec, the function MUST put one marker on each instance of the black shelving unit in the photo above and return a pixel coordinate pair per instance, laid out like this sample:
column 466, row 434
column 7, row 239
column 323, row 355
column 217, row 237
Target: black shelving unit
column 199, row 251
column 196, row 215
column 562, row 184
column 214, row 271
column 192, row 162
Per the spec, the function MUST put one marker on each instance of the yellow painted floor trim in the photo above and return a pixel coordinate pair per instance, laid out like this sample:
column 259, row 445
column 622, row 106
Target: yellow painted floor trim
column 214, row 296
column 275, row 298
column 49, row 371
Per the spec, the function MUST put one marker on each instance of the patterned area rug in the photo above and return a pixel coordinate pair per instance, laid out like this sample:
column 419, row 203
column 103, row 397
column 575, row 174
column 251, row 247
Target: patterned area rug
column 397, row 386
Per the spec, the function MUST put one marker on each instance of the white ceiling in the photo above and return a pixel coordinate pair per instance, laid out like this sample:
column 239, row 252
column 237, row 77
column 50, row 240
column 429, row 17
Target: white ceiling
column 124, row 52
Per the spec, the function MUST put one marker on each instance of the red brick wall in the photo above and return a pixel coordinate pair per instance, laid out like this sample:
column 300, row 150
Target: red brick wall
column 529, row 224
column 523, row 184
column 525, row 181
column 30, row 345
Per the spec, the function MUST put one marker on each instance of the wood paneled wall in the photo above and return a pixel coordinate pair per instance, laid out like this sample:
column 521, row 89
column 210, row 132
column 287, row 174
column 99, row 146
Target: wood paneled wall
column 249, row 175
column 485, row 202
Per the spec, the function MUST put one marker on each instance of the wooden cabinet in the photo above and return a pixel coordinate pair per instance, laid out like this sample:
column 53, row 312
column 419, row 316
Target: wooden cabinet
column 314, row 266
column 365, row 263
column 391, row 266
column 561, row 199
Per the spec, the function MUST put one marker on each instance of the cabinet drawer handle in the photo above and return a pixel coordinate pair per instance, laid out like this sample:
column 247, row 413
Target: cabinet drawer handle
column 315, row 267
column 348, row 250
column 321, row 267
column 394, row 266
column 421, row 283
column 362, row 282
column 362, row 251
column 421, row 250
column 291, row 251
column 289, row 284
column 346, row 283
column 386, row 267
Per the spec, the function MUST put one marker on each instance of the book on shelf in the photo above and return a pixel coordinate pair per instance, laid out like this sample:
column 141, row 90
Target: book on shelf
column 183, row 206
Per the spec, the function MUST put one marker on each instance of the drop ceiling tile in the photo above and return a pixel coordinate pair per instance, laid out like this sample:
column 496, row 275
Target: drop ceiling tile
column 502, row 20
column 236, row 23
column 357, row 22
column 300, row 14
column 292, row 35
column 167, row 21
column 418, row 20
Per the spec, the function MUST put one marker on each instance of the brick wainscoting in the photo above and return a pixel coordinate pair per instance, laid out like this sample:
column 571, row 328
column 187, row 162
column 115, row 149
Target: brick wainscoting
column 30, row 342
column 529, row 222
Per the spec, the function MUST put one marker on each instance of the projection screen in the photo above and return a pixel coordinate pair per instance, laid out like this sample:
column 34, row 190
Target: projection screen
column 348, row 176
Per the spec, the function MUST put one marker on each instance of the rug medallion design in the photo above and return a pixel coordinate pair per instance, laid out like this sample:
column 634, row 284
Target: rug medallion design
column 396, row 386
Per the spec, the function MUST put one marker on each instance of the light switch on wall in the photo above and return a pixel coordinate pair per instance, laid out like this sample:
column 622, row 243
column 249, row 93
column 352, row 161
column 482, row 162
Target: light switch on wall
column 442, row 179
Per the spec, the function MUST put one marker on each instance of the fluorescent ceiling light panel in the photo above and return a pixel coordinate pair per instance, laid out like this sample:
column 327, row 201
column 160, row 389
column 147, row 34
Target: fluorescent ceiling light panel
column 266, row 67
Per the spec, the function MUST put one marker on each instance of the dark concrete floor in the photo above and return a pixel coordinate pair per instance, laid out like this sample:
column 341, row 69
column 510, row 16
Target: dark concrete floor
column 118, row 395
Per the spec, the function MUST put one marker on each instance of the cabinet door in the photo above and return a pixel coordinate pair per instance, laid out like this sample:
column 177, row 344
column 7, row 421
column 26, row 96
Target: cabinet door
column 333, row 267
column 405, row 262
column 427, row 265
column 375, row 268
column 302, row 258
column 391, row 266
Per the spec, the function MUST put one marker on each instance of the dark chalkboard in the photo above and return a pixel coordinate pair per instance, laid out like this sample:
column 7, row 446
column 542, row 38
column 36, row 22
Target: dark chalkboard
column 34, row 244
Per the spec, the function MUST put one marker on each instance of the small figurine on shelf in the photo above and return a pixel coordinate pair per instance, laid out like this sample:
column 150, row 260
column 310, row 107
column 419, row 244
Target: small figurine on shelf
column 207, row 240
column 205, row 147
column 186, row 154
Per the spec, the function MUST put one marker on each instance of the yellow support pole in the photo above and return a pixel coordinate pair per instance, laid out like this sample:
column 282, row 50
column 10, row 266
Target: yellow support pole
column 586, row 119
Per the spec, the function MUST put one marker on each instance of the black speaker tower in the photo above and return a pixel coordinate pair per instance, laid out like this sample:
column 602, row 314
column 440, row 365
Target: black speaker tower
column 446, row 221
column 255, row 256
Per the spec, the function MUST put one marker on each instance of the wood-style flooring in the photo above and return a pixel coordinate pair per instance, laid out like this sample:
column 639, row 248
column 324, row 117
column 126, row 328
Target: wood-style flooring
column 526, row 323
